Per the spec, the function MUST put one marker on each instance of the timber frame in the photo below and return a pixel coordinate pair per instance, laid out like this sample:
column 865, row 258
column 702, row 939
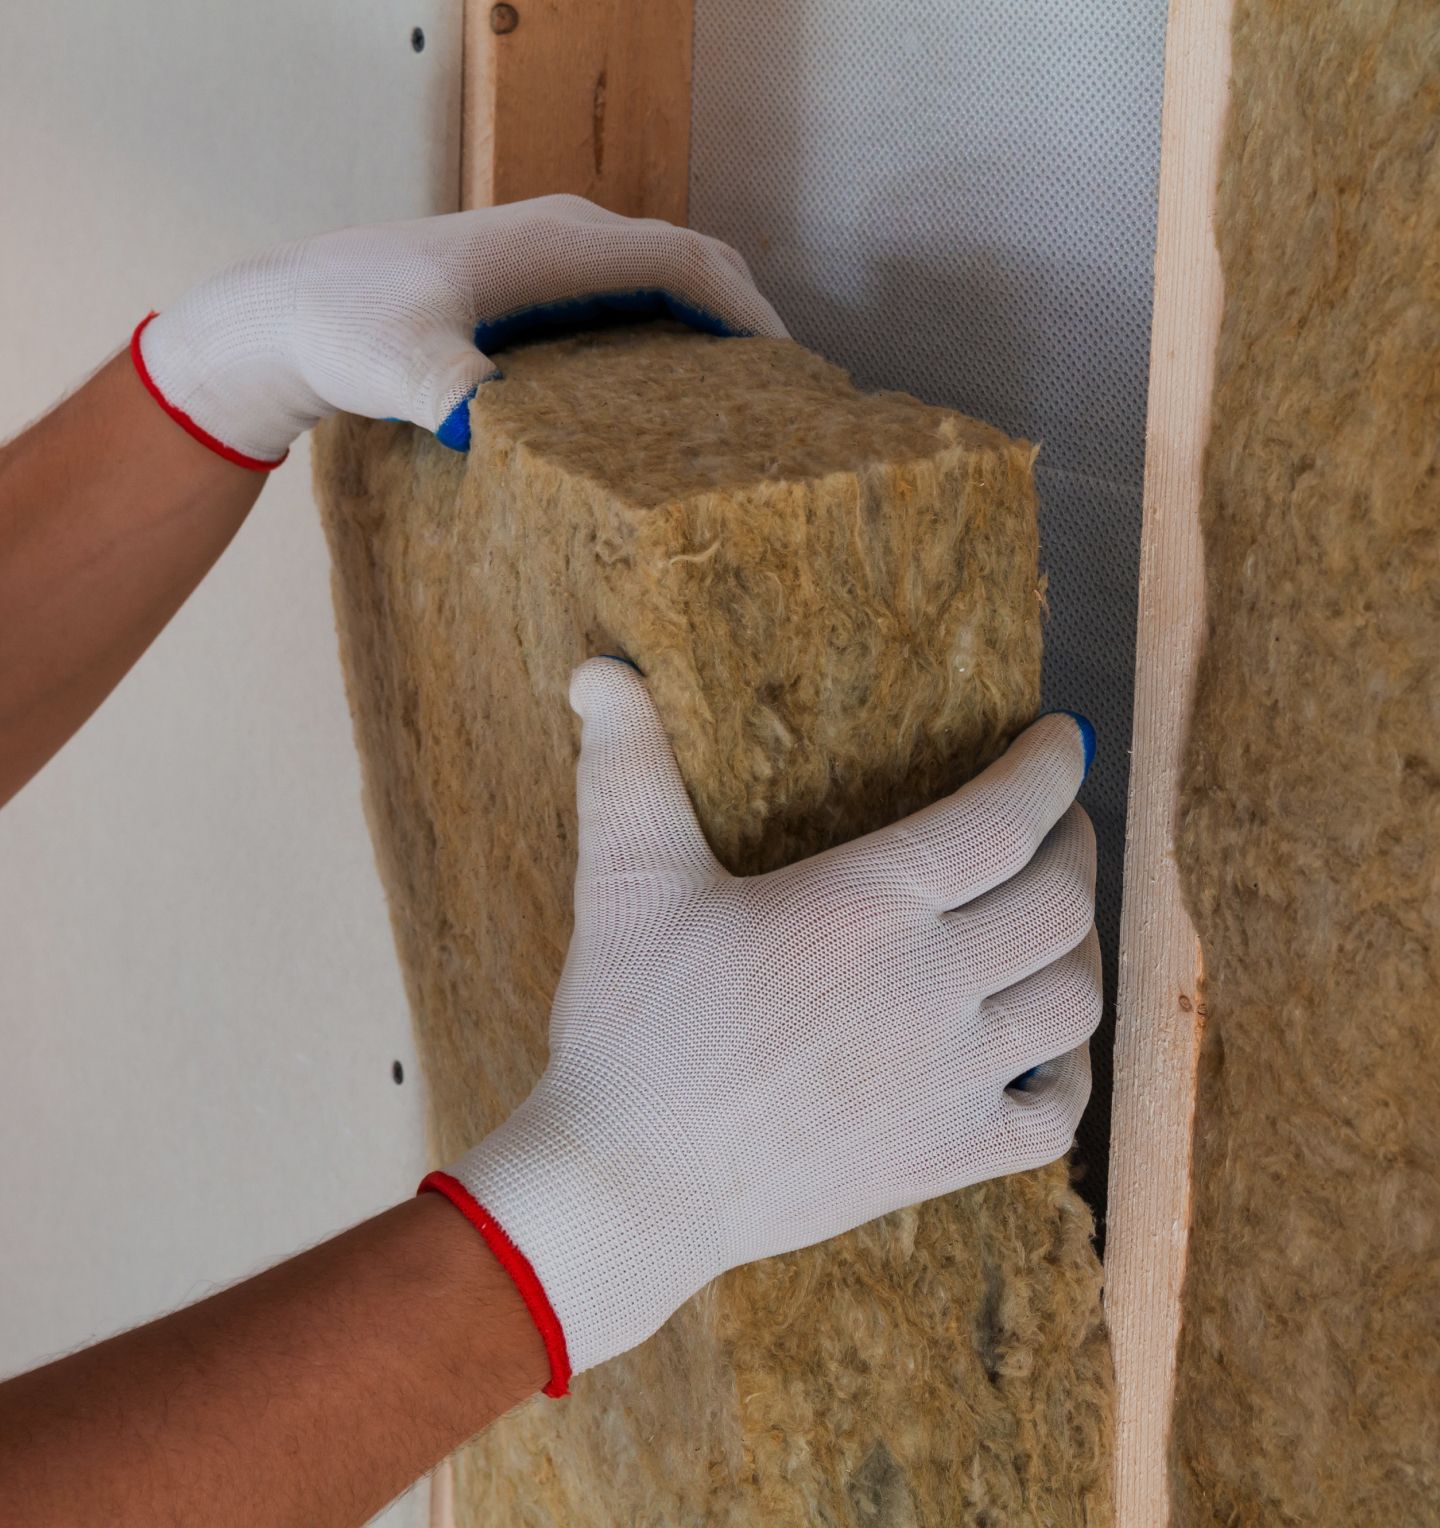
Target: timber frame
column 1160, row 1004
column 594, row 99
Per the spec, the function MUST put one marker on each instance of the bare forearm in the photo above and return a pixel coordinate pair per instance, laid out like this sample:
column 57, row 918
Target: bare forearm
column 309, row 1395
column 109, row 516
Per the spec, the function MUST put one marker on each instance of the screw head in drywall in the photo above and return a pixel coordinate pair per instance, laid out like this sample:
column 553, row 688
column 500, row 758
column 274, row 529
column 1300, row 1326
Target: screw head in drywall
column 504, row 18
column 417, row 39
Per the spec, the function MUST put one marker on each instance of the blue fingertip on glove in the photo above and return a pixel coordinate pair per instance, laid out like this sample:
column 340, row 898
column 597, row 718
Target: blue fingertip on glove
column 1087, row 733
column 454, row 429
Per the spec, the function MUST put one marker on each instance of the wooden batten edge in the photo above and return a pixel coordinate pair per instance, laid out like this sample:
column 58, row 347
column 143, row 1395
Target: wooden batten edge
column 442, row 1495
column 477, row 106
column 1160, row 1007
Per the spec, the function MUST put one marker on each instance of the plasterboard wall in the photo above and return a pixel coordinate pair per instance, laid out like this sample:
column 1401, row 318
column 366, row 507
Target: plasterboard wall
column 199, row 1000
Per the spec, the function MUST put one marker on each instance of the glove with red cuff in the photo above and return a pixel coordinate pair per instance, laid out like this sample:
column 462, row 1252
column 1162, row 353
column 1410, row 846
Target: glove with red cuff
column 399, row 320
column 743, row 1066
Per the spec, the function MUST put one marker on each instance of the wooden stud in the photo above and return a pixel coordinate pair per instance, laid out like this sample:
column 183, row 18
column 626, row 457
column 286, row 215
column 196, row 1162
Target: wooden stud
column 442, row 1495
column 1160, row 1002
column 586, row 96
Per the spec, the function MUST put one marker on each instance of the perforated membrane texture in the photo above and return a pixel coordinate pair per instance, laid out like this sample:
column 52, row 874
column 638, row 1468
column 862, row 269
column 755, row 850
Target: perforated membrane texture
column 959, row 201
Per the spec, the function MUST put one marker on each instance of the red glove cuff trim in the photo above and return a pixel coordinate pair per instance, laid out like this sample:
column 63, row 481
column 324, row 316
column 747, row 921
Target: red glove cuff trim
column 186, row 423
column 517, row 1265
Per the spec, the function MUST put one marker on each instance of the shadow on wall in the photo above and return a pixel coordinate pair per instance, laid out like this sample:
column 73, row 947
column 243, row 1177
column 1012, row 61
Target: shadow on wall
column 962, row 206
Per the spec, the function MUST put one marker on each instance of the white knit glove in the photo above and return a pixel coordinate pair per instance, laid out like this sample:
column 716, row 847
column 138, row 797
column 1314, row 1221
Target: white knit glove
column 739, row 1067
column 397, row 321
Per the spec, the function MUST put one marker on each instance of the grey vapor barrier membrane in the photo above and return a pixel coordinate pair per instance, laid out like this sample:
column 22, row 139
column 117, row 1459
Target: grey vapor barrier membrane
column 959, row 201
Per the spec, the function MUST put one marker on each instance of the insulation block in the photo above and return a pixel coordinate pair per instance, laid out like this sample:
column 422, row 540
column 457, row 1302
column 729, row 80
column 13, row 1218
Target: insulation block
column 1309, row 1383
column 835, row 600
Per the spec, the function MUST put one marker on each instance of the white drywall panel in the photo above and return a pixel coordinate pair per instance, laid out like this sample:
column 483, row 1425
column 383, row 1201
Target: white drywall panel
column 199, row 1000
column 958, row 200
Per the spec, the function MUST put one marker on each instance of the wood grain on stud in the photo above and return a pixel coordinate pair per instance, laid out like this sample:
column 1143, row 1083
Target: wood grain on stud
column 1160, row 1003
column 590, row 97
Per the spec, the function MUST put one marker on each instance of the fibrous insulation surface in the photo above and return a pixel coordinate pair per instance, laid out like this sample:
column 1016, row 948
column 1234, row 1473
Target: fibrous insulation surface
column 1309, row 1386
column 835, row 601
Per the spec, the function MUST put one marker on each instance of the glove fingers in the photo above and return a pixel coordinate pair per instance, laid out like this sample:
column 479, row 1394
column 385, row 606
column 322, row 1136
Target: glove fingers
column 559, row 258
column 1040, row 1120
column 1035, row 917
column 441, row 400
column 635, row 812
column 988, row 831
column 1048, row 1013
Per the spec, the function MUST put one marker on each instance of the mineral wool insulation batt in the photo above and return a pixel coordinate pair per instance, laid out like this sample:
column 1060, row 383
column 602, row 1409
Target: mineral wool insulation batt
column 1309, row 1383
column 835, row 601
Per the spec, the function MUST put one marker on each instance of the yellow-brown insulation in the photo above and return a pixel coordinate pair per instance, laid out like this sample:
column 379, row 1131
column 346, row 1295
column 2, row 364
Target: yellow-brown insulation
column 835, row 600
column 1309, row 1387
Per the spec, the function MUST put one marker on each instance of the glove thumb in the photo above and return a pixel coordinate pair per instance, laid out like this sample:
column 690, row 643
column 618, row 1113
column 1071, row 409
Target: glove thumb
column 448, row 371
column 635, row 813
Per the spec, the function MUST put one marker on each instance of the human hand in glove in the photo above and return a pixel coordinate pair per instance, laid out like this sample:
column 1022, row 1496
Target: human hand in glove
column 743, row 1066
column 398, row 320
column 738, row 1067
